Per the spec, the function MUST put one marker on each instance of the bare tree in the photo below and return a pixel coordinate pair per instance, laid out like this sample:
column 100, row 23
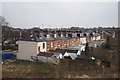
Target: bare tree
column 3, row 21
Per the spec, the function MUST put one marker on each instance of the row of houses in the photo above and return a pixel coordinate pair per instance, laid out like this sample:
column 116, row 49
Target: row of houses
column 40, row 42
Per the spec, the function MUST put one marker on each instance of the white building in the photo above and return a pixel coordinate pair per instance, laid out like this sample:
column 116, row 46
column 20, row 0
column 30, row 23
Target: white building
column 27, row 49
column 98, row 37
column 72, row 55
column 58, row 55
column 83, row 40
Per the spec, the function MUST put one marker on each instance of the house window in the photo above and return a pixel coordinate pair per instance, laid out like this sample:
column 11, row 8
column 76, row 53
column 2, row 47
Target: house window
column 39, row 49
column 64, row 42
column 58, row 42
column 43, row 45
column 48, row 46
column 55, row 46
column 51, row 44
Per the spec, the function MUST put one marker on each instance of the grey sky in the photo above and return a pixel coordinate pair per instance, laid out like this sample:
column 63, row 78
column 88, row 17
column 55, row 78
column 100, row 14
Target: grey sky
column 0, row 9
column 56, row 14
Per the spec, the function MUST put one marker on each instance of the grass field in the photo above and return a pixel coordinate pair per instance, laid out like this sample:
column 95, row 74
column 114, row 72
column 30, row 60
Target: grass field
column 66, row 69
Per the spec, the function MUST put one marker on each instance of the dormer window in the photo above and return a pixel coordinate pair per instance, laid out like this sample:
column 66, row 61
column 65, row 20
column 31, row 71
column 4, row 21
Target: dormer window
column 66, row 35
column 55, row 35
column 61, row 35
column 48, row 36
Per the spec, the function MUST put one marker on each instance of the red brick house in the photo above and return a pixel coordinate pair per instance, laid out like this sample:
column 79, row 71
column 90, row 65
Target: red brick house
column 50, row 42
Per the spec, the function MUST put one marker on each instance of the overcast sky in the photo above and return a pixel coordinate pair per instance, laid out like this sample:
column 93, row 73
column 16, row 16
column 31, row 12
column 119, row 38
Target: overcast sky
column 60, row 14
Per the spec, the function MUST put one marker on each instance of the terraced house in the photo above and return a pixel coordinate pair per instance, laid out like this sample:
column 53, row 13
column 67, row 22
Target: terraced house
column 47, row 41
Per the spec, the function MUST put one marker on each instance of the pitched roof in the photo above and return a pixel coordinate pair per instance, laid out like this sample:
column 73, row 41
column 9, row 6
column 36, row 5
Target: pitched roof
column 96, row 34
column 40, row 39
column 47, row 54
column 42, row 36
column 63, row 38
column 57, row 37
column 56, row 54
column 50, row 38
column 71, row 51
column 62, row 51
column 59, row 51
column 82, row 37
column 33, row 37
column 26, row 37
